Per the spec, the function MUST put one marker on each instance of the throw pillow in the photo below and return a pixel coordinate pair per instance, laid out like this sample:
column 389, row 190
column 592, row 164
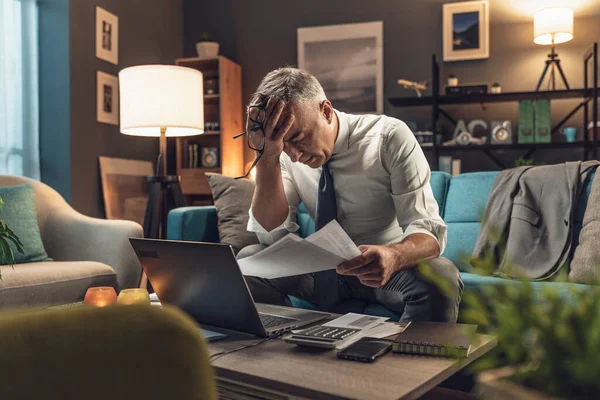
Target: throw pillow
column 20, row 215
column 233, row 198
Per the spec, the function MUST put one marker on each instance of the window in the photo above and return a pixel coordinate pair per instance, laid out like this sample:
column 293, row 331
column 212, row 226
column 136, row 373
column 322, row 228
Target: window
column 19, row 110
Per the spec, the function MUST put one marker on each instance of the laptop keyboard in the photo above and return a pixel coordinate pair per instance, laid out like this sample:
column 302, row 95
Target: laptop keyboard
column 270, row 321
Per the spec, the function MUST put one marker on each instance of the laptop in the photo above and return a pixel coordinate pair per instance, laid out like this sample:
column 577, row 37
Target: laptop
column 205, row 281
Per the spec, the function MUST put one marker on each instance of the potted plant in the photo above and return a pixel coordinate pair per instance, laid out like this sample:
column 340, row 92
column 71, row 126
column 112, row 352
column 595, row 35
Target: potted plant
column 548, row 340
column 7, row 256
column 452, row 80
column 207, row 48
column 496, row 88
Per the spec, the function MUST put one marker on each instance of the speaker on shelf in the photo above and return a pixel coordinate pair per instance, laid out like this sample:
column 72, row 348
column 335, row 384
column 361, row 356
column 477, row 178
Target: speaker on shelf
column 210, row 157
column 501, row 132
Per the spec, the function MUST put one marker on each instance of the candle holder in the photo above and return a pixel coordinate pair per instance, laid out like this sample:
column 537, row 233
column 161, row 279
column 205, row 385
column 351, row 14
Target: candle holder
column 134, row 297
column 101, row 296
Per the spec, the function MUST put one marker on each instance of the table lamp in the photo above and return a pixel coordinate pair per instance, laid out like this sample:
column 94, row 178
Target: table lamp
column 161, row 101
column 552, row 26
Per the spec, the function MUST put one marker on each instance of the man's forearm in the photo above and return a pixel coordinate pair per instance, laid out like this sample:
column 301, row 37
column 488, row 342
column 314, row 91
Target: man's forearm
column 415, row 248
column 269, row 204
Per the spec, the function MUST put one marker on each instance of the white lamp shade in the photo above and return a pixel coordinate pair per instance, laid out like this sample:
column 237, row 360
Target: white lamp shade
column 161, row 96
column 553, row 23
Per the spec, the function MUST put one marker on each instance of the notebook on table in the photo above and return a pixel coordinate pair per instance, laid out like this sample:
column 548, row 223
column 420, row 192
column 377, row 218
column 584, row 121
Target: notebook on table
column 435, row 339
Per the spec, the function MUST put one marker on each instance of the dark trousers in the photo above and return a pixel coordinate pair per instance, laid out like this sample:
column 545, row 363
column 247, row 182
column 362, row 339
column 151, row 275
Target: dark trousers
column 406, row 293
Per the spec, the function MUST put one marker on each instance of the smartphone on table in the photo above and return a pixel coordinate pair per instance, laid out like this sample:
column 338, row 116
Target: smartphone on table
column 365, row 350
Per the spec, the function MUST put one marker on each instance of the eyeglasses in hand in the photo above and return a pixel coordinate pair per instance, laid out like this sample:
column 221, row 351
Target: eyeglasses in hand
column 255, row 132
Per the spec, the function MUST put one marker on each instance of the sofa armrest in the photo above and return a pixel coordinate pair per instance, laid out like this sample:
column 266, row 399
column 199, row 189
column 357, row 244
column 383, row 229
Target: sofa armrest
column 71, row 236
column 116, row 352
column 198, row 224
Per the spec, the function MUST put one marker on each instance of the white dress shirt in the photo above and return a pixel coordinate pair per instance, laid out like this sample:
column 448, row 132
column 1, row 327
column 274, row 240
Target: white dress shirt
column 381, row 179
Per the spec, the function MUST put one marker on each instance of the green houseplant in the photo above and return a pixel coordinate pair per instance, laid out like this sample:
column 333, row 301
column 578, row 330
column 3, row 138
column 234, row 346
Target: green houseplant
column 7, row 256
column 207, row 48
column 548, row 339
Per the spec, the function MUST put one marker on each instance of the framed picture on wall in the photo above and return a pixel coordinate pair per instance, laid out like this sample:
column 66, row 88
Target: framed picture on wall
column 466, row 30
column 348, row 62
column 107, row 98
column 107, row 36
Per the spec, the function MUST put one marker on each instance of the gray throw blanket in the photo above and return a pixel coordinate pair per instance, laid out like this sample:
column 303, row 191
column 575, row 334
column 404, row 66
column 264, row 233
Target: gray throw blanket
column 585, row 266
column 532, row 209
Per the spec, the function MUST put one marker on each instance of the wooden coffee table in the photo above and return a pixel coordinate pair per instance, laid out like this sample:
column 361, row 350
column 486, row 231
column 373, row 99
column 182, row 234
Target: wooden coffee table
column 278, row 370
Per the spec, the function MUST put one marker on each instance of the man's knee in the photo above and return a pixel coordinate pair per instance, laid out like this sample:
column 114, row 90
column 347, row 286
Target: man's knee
column 250, row 250
column 447, row 278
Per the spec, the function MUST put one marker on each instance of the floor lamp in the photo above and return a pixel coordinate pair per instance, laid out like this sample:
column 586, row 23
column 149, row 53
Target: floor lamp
column 552, row 26
column 161, row 101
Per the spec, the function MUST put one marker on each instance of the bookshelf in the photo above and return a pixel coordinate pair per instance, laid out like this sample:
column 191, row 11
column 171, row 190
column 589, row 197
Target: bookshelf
column 224, row 107
column 587, row 96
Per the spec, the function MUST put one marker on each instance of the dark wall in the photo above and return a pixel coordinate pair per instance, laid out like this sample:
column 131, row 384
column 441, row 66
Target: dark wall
column 261, row 36
column 55, row 108
column 150, row 32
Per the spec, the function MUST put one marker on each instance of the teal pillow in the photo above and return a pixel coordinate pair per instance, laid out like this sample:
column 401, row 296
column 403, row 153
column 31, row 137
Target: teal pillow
column 19, row 214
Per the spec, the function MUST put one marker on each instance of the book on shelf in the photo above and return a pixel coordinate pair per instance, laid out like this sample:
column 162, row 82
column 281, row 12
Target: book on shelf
column 435, row 339
column 192, row 155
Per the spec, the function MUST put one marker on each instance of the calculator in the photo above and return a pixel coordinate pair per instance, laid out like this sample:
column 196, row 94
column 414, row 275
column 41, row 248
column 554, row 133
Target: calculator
column 320, row 336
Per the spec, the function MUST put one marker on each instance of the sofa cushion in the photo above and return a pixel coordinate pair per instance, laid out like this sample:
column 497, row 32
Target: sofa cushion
column 20, row 216
column 51, row 282
column 233, row 198
column 440, row 182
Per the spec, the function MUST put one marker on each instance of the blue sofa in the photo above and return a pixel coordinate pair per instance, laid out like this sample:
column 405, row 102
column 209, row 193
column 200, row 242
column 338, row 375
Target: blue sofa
column 461, row 199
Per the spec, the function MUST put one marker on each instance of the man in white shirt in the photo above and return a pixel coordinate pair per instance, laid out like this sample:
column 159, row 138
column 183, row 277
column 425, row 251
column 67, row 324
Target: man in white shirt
column 382, row 198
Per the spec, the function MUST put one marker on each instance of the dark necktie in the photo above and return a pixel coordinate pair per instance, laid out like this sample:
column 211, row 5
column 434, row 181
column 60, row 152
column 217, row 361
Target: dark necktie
column 326, row 282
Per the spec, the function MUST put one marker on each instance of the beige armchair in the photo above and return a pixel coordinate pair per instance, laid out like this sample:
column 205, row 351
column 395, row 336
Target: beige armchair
column 85, row 251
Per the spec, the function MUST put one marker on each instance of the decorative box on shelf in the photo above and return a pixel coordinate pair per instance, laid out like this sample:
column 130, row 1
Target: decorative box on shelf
column 466, row 90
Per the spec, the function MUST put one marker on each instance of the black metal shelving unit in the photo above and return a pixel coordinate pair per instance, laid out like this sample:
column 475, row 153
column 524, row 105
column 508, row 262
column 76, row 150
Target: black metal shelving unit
column 588, row 94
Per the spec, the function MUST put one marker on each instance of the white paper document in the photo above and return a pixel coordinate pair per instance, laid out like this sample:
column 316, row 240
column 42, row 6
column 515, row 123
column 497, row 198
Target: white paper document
column 292, row 255
column 356, row 321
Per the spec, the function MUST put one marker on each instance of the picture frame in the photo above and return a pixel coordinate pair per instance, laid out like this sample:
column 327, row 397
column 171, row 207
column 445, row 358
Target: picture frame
column 125, row 188
column 347, row 60
column 107, row 36
column 107, row 98
column 466, row 30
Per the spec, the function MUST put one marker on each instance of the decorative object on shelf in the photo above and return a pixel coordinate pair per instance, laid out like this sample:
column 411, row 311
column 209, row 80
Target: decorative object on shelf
column 107, row 36
column 210, row 157
column 107, row 98
column 456, row 166
column 570, row 133
column 467, row 89
column 445, row 164
column 496, row 88
column 192, row 159
column 590, row 129
column 425, row 138
column 475, row 124
column 135, row 296
column 211, row 86
column 464, row 139
column 416, row 86
column 552, row 26
column 466, row 31
column 348, row 61
column 461, row 126
column 542, row 123
column 100, row 296
column 501, row 132
column 161, row 101
column 207, row 48
column 452, row 80
column 525, row 122
column 211, row 126
column 124, row 188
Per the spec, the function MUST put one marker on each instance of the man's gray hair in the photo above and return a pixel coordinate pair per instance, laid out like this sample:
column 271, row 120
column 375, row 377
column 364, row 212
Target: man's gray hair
column 290, row 85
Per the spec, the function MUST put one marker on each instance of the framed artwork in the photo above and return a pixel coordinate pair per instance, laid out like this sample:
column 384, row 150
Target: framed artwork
column 348, row 62
column 107, row 36
column 107, row 98
column 124, row 188
column 466, row 30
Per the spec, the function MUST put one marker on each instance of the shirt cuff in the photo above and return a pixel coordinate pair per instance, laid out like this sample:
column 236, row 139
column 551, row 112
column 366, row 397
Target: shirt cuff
column 435, row 230
column 268, row 238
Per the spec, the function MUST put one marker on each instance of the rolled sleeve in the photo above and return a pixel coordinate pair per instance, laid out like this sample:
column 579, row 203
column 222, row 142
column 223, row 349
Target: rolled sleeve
column 268, row 238
column 417, row 210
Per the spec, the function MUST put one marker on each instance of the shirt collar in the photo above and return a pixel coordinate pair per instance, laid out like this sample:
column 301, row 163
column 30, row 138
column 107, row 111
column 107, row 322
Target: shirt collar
column 343, row 137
